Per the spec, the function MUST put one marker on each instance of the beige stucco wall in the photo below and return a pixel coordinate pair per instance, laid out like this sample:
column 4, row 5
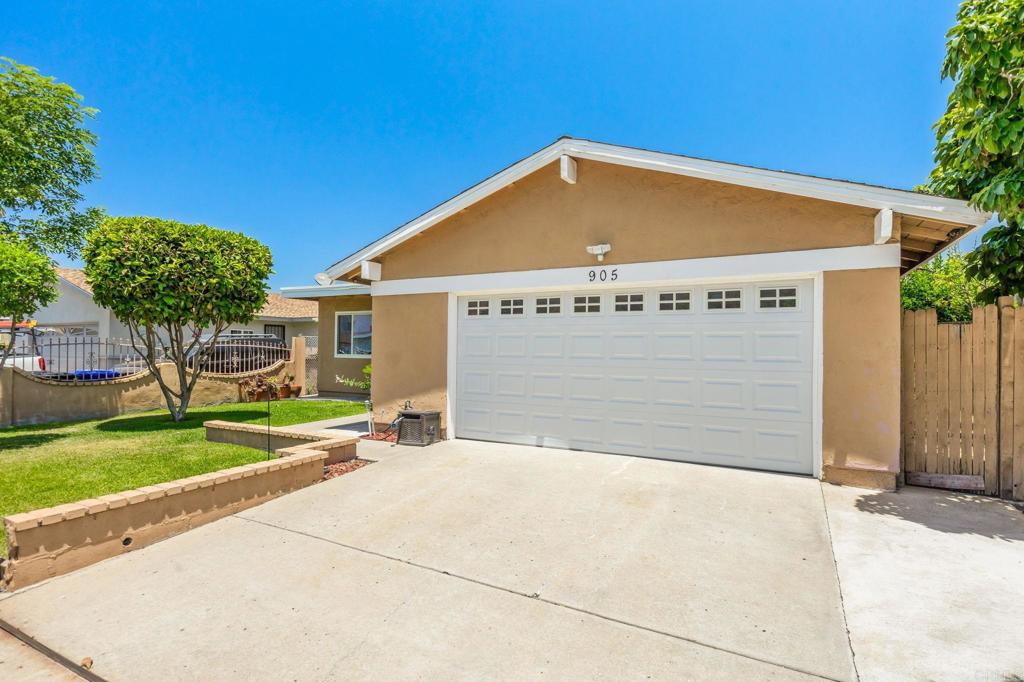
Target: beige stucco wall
column 543, row 222
column 331, row 367
column 410, row 337
column 861, row 380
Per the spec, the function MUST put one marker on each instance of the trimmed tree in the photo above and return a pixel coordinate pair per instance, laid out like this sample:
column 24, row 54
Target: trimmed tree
column 979, row 153
column 27, row 283
column 168, row 282
column 45, row 156
column 943, row 284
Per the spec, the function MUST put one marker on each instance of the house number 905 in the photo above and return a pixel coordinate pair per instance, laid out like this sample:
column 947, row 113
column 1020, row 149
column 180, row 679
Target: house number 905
column 603, row 275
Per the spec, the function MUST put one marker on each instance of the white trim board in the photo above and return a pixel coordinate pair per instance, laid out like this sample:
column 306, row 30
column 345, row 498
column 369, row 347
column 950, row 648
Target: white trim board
column 840, row 191
column 800, row 264
column 325, row 292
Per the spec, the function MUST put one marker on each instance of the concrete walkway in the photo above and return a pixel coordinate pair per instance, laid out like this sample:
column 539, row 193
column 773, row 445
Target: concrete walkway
column 21, row 663
column 933, row 583
column 473, row 561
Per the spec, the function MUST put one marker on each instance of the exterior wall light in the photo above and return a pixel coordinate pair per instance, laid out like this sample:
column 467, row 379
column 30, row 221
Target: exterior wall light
column 599, row 250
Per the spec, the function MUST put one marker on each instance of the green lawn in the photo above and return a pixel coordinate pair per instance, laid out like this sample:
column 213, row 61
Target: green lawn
column 50, row 464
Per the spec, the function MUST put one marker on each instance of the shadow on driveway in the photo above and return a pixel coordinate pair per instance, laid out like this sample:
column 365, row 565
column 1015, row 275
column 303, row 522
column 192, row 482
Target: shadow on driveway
column 949, row 512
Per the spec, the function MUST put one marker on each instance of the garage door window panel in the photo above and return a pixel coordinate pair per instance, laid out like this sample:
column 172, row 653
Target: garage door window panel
column 720, row 300
column 629, row 303
column 478, row 308
column 674, row 301
column 777, row 298
column 584, row 305
column 548, row 305
column 511, row 306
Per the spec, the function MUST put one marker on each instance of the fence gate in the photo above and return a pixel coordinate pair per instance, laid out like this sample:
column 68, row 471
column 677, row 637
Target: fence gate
column 312, row 364
column 962, row 410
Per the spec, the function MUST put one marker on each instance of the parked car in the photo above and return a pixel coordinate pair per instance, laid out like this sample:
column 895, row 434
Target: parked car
column 25, row 355
column 238, row 353
column 27, row 362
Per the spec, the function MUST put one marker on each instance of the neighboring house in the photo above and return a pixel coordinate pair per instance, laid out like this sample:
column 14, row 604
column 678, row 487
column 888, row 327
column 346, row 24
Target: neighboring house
column 75, row 312
column 613, row 299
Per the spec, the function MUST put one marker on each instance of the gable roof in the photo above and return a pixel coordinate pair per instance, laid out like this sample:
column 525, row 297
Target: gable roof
column 288, row 308
column 905, row 202
column 74, row 276
column 277, row 306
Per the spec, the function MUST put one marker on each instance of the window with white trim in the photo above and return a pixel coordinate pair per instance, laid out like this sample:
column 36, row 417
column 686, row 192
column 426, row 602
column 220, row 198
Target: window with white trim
column 550, row 305
column 478, row 308
column 671, row 301
column 629, row 303
column 772, row 298
column 723, row 299
column 353, row 334
column 586, row 304
column 511, row 306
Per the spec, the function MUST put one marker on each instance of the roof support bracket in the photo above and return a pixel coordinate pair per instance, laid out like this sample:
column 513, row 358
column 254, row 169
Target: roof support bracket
column 883, row 226
column 568, row 169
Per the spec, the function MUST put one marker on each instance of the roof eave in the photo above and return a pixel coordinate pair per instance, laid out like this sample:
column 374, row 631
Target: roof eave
column 839, row 191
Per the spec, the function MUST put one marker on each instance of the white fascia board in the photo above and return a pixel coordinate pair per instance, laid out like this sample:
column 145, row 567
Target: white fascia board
column 787, row 264
column 324, row 292
column 278, row 318
column 900, row 201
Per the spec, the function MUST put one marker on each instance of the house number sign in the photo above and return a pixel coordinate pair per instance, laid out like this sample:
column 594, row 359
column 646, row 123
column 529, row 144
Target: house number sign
column 603, row 275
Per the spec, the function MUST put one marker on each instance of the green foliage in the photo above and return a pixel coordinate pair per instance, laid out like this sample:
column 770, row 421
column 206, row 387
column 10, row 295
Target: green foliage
column 999, row 262
column 944, row 284
column 45, row 156
column 362, row 384
column 979, row 152
column 27, row 283
column 162, row 273
column 168, row 281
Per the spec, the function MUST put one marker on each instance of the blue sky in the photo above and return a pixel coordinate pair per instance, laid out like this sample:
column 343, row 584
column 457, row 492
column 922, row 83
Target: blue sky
column 317, row 128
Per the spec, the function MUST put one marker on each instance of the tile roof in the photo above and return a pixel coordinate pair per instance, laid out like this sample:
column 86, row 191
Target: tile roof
column 279, row 306
column 75, row 276
column 276, row 305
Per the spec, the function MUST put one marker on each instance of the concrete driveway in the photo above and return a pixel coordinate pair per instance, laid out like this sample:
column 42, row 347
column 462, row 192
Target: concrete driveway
column 471, row 561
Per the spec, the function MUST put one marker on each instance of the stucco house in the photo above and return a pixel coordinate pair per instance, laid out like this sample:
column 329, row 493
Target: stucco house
column 612, row 299
column 75, row 312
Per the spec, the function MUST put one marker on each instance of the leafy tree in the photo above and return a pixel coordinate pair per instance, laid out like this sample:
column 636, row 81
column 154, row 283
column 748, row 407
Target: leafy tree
column 45, row 156
column 979, row 152
column 943, row 284
column 167, row 282
column 27, row 283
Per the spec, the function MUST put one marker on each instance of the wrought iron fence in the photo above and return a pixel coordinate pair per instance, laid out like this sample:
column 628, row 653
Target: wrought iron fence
column 83, row 358
column 80, row 359
column 243, row 354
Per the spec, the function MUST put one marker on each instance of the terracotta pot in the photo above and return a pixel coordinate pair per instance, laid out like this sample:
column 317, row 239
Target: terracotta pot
column 296, row 391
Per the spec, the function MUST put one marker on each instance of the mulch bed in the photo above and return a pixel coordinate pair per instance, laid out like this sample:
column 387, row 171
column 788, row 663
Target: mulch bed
column 342, row 468
column 389, row 437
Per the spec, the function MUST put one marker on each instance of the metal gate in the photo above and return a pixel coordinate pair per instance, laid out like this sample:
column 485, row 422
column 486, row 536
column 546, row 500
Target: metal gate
column 312, row 364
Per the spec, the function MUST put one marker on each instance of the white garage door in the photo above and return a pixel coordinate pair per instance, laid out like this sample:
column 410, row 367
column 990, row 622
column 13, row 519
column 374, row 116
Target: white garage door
column 715, row 374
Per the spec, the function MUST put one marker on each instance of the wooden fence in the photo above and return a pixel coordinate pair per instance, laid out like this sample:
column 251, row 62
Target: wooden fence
column 962, row 410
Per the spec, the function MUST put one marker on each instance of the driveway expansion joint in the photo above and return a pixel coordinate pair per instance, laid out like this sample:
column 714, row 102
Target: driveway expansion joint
column 839, row 583
column 535, row 596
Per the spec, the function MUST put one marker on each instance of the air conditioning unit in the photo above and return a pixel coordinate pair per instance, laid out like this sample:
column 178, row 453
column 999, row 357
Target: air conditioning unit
column 419, row 427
